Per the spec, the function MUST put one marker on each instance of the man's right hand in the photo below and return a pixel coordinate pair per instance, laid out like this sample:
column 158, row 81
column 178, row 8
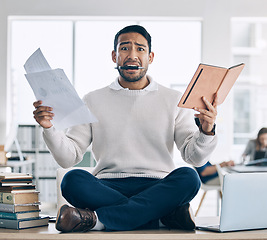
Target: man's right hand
column 43, row 114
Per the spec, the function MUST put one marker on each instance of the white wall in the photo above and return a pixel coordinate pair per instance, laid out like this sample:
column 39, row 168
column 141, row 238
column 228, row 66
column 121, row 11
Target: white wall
column 216, row 15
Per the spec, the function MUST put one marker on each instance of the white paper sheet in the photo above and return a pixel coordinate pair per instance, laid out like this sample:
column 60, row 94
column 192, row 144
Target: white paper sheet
column 36, row 62
column 56, row 91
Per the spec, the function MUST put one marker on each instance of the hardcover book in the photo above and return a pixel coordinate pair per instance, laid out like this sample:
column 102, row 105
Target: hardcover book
column 19, row 198
column 12, row 175
column 15, row 182
column 24, row 223
column 12, row 208
column 207, row 81
column 19, row 215
column 14, row 189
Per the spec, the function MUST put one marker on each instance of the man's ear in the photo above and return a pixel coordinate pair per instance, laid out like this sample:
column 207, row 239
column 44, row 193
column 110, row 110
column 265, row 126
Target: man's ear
column 151, row 57
column 114, row 56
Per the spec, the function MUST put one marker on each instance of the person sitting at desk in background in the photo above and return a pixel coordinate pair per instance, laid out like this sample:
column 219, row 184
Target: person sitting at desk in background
column 135, row 183
column 208, row 173
column 256, row 148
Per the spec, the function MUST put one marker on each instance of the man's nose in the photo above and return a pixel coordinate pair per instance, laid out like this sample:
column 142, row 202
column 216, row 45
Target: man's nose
column 133, row 55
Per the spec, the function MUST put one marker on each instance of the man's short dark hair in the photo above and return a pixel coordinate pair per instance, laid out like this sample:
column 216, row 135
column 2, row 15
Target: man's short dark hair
column 133, row 28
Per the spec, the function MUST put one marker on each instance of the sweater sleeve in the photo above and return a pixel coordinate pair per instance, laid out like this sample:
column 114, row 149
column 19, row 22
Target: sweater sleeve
column 249, row 147
column 68, row 148
column 195, row 146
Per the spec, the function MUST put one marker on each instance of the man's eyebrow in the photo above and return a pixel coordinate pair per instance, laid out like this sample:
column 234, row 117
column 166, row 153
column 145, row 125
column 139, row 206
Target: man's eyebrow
column 128, row 42
column 123, row 43
column 140, row 44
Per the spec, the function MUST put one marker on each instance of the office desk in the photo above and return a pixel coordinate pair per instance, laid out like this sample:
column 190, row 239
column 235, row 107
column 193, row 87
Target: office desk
column 246, row 169
column 51, row 233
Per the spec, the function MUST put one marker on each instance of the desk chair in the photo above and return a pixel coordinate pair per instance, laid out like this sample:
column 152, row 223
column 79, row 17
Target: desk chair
column 218, row 188
column 207, row 188
column 60, row 174
column 221, row 173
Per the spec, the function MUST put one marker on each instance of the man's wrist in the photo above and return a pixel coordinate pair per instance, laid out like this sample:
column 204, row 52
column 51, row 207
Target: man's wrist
column 212, row 132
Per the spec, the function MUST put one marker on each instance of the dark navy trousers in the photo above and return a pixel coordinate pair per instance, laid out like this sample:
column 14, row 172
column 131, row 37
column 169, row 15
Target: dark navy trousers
column 133, row 202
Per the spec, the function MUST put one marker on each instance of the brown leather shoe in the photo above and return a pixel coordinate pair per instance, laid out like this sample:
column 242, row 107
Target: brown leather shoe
column 181, row 218
column 71, row 219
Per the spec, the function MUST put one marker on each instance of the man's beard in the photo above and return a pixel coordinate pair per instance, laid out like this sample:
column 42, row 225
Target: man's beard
column 135, row 78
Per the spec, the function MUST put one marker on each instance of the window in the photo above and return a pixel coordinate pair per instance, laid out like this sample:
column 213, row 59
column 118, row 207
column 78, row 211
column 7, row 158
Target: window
column 83, row 49
column 249, row 45
column 54, row 37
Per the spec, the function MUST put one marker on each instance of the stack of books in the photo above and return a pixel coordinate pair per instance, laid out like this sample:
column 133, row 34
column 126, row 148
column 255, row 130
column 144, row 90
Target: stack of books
column 19, row 202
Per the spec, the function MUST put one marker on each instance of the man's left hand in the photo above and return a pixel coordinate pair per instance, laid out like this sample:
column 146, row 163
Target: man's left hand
column 207, row 116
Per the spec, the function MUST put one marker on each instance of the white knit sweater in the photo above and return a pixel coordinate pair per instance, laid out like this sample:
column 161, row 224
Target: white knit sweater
column 134, row 135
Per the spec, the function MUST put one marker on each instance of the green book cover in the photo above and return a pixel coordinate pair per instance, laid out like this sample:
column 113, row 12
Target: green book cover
column 24, row 223
column 20, row 215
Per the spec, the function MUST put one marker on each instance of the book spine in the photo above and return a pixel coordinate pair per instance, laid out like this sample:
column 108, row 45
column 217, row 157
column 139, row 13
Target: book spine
column 6, row 198
column 6, row 215
column 7, row 223
column 7, row 208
